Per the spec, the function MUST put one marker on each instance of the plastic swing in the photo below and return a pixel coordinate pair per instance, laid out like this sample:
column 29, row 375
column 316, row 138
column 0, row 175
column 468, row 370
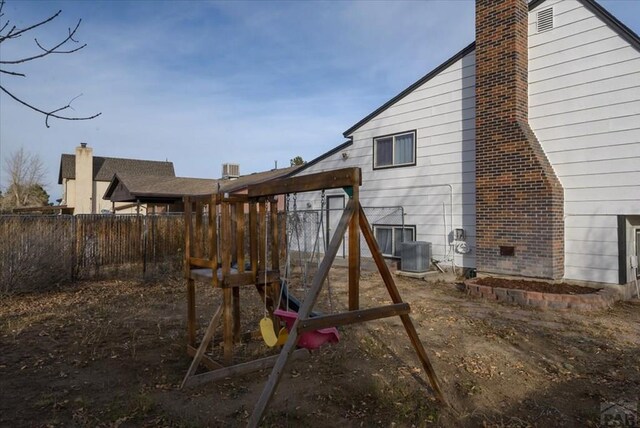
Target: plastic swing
column 311, row 339
column 267, row 329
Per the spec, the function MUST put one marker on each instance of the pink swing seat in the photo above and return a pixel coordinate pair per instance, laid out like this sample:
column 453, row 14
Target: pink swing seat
column 310, row 339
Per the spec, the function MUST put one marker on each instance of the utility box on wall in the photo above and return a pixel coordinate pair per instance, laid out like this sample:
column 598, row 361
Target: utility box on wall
column 415, row 256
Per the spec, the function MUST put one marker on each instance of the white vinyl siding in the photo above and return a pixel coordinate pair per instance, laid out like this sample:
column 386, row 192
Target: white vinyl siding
column 584, row 106
column 584, row 98
column 441, row 111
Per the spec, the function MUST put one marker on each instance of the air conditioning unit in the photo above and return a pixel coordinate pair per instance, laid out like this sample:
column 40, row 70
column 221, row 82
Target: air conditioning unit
column 415, row 256
column 230, row 170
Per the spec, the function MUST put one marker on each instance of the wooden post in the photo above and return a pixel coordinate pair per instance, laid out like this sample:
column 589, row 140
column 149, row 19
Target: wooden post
column 306, row 308
column 191, row 312
column 253, row 236
column 239, row 241
column 213, row 239
column 395, row 297
column 354, row 254
column 197, row 251
column 227, row 293
column 187, row 236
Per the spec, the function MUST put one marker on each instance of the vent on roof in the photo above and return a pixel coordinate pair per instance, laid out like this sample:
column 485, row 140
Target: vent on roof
column 230, row 170
column 545, row 19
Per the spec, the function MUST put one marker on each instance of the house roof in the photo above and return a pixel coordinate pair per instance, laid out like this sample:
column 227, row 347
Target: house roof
column 624, row 31
column 104, row 168
column 244, row 181
column 126, row 187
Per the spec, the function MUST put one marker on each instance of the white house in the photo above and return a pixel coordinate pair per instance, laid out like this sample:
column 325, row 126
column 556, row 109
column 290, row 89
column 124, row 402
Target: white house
column 540, row 169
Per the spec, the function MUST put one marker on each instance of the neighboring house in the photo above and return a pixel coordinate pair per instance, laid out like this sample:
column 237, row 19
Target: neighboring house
column 528, row 140
column 85, row 178
column 157, row 193
column 167, row 192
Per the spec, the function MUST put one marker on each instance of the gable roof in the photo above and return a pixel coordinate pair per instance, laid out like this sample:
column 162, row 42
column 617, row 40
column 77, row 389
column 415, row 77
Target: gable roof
column 127, row 187
column 624, row 31
column 104, row 168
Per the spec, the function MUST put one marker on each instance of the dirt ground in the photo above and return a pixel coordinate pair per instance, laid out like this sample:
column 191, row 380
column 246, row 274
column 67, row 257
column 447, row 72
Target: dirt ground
column 113, row 354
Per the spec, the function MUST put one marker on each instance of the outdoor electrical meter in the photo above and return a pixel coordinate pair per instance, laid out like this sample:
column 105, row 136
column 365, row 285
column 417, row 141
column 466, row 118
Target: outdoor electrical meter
column 458, row 234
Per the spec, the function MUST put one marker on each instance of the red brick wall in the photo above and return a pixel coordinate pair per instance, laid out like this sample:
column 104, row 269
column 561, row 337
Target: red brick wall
column 519, row 199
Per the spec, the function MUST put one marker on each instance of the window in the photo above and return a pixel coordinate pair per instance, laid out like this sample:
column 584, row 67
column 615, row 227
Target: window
column 389, row 238
column 394, row 150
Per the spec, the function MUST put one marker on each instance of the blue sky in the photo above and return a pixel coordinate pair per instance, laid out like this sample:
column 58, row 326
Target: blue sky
column 205, row 83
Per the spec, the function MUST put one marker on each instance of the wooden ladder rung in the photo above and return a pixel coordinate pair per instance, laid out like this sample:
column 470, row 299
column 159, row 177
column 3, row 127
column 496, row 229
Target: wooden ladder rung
column 353, row 317
column 203, row 263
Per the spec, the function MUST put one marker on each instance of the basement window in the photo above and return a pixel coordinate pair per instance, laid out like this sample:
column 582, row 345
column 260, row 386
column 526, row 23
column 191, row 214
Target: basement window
column 394, row 150
column 545, row 19
column 390, row 237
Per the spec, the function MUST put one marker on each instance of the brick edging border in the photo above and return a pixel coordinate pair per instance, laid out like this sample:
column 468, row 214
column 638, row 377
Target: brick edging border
column 601, row 299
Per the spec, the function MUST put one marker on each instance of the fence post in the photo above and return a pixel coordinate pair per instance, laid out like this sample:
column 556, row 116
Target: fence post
column 74, row 246
column 144, row 227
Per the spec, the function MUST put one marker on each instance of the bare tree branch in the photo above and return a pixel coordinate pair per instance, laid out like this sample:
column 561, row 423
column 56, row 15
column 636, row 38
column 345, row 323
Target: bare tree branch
column 51, row 113
column 49, row 51
column 13, row 73
column 13, row 33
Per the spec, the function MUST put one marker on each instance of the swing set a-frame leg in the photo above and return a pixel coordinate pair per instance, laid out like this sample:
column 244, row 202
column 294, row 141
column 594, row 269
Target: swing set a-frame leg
column 312, row 296
column 307, row 306
column 395, row 297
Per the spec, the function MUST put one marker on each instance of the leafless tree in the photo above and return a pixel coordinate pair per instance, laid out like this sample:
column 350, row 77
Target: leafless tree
column 9, row 66
column 25, row 174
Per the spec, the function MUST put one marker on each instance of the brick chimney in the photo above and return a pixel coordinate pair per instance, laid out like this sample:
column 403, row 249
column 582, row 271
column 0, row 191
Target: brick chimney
column 519, row 199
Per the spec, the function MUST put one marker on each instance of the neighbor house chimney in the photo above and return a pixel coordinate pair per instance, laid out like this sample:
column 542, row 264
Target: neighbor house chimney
column 519, row 199
column 84, row 180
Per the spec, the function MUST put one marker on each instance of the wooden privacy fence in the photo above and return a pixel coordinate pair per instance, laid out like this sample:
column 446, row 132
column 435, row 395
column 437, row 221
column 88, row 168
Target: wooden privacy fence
column 37, row 252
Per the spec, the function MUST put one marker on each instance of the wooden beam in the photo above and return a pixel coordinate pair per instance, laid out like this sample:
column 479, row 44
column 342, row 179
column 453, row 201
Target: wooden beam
column 240, row 236
column 241, row 369
column 197, row 251
column 353, row 317
column 253, row 236
column 354, row 255
column 187, row 235
column 335, row 179
column 205, row 360
column 227, row 293
column 203, row 263
column 208, row 335
column 191, row 312
column 213, row 236
column 395, row 297
column 307, row 306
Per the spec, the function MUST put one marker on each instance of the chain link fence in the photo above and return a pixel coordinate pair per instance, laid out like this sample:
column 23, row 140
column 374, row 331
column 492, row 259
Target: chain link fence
column 309, row 231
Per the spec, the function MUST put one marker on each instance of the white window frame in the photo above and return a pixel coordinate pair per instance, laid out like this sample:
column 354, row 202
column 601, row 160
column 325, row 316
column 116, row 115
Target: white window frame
column 393, row 150
column 394, row 229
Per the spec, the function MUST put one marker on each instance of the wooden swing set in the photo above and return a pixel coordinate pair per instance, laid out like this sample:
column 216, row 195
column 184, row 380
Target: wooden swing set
column 215, row 247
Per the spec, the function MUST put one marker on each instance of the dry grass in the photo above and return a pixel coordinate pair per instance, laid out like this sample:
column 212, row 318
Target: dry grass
column 112, row 354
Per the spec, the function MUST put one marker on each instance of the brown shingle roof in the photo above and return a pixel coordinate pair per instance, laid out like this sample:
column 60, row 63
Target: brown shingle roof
column 255, row 178
column 125, row 187
column 104, row 168
column 141, row 187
